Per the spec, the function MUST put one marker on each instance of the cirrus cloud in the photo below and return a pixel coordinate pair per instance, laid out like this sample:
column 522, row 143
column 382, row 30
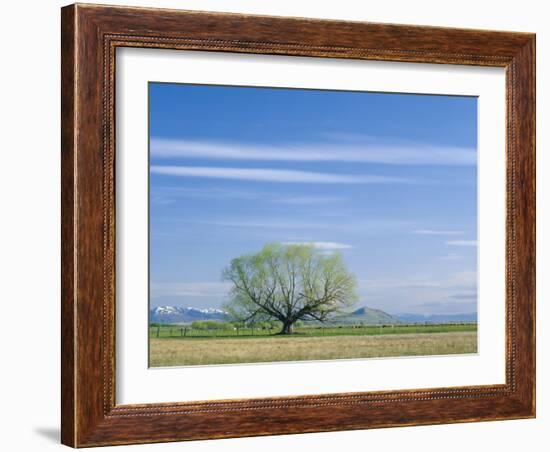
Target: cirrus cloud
column 436, row 232
column 462, row 242
column 274, row 175
column 362, row 152
column 327, row 246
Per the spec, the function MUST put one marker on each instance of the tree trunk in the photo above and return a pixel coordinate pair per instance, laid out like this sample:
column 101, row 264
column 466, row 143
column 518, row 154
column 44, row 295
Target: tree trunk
column 288, row 328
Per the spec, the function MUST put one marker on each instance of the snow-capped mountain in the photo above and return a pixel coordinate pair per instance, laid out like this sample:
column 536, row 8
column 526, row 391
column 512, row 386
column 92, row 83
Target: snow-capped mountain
column 176, row 314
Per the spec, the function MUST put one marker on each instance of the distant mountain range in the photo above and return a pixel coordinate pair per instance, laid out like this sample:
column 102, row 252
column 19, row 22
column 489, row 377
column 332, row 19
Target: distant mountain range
column 365, row 315
column 368, row 316
column 177, row 314
column 438, row 318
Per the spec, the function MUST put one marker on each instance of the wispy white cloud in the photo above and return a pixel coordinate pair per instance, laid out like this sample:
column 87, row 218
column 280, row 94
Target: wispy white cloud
column 192, row 289
column 161, row 200
column 466, row 280
column 352, row 137
column 301, row 226
column 462, row 242
column 465, row 296
column 264, row 224
column 367, row 152
column 274, row 175
column 450, row 257
column 446, row 307
column 463, row 279
column 168, row 195
column 308, row 200
column 327, row 246
column 422, row 293
column 436, row 232
column 203, row 193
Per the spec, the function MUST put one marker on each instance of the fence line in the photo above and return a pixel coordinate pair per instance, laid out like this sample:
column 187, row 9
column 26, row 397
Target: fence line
column 163, row 331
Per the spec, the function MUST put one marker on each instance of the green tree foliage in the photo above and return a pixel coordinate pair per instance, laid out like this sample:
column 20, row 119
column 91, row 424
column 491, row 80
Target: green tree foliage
column 289, row 283
column 208, row 325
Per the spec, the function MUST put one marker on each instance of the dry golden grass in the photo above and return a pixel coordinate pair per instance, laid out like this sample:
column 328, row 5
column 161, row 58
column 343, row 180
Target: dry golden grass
column 182, row 352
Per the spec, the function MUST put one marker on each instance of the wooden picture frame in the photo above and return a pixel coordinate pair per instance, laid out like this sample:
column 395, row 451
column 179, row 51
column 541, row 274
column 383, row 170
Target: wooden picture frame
column 90, row 36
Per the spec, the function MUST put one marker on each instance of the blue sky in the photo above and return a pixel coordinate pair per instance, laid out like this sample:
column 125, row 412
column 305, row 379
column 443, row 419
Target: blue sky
column 388, row 180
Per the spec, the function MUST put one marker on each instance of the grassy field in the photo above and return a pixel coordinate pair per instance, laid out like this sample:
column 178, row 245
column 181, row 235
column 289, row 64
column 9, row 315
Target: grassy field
column 309, row 344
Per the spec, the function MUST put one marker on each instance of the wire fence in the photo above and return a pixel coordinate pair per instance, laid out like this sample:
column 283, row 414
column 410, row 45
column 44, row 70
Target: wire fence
column 187, row 331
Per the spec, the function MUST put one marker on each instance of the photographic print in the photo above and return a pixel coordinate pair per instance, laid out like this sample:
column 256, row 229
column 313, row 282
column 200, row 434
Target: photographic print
column 294, row 224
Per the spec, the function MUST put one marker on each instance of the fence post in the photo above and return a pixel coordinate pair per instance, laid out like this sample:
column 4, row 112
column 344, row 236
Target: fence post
column 158, row 330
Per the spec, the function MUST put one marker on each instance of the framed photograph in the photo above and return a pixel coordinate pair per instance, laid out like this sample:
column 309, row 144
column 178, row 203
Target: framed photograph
column 281, row 225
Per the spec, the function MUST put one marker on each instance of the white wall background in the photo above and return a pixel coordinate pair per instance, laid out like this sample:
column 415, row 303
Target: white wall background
column 29, row 229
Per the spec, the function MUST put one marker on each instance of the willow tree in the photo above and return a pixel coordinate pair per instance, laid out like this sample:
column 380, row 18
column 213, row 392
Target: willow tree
column 289, row 283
